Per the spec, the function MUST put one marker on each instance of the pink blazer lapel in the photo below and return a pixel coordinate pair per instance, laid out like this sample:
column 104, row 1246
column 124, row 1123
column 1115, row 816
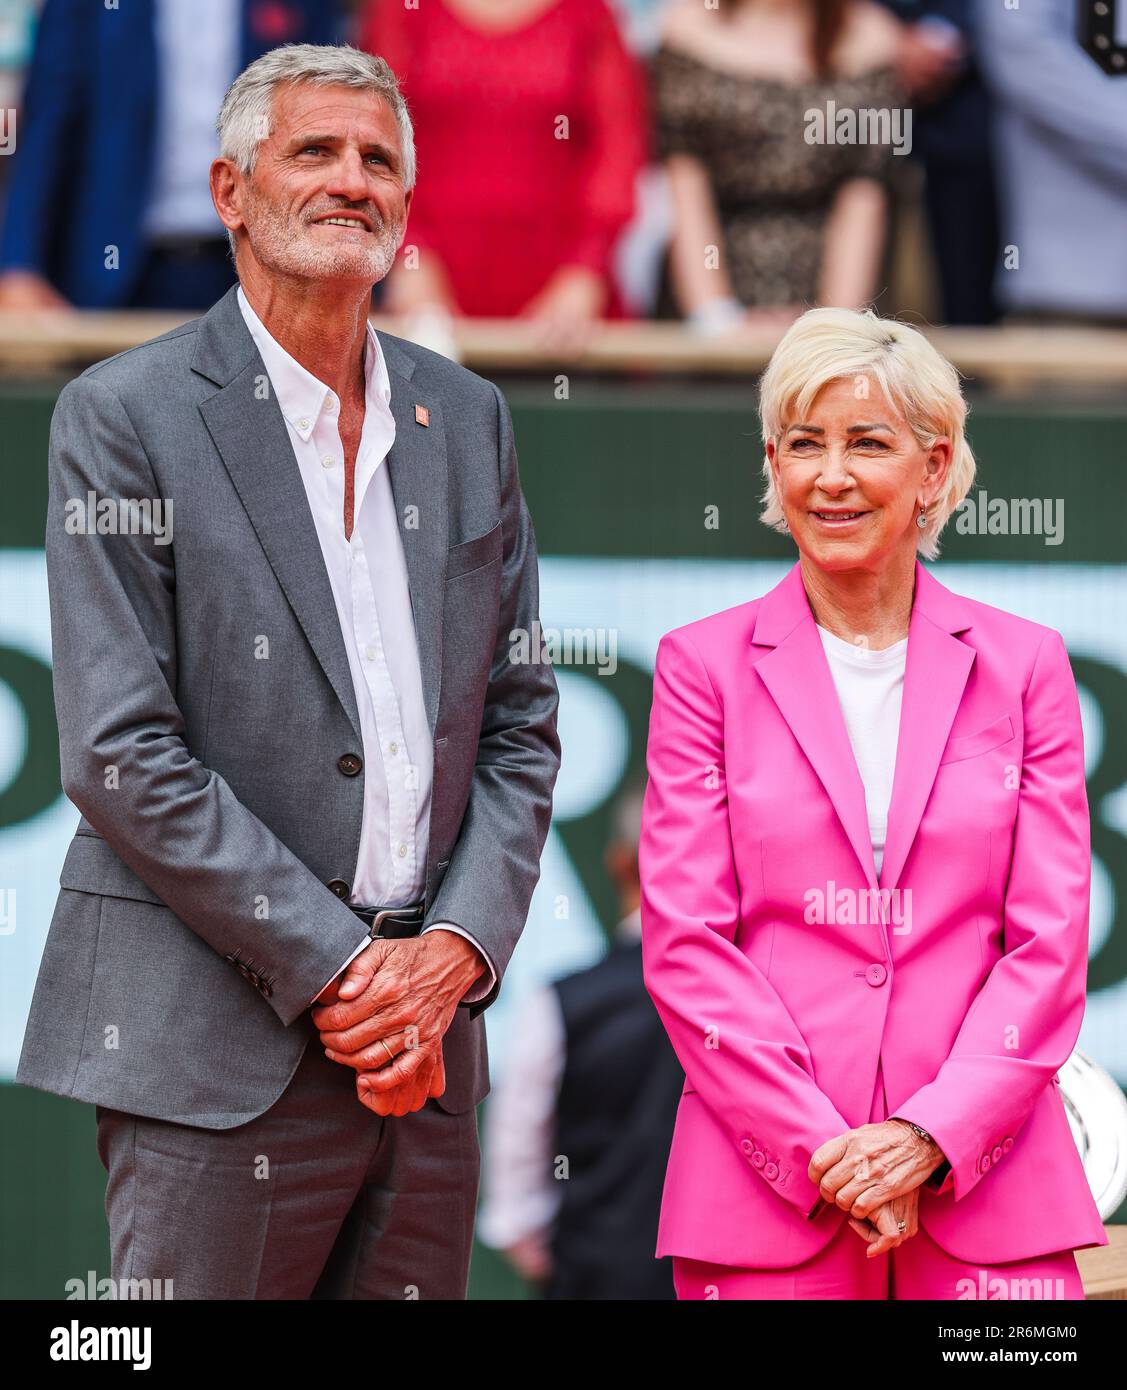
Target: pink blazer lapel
column 790, row 659
column 935, row 676
column 795, row 671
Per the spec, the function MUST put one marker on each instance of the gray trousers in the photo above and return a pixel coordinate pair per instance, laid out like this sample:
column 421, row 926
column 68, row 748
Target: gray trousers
column 318, row 1197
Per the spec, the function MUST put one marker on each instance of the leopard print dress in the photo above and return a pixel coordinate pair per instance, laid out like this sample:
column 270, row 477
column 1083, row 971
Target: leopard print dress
column 773, row 189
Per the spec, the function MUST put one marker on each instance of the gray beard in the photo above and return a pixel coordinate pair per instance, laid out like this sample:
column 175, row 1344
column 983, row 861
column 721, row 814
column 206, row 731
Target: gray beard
column 277, row 248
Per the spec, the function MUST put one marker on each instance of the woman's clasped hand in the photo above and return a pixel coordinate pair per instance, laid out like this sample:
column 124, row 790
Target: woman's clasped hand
column 875, row 1172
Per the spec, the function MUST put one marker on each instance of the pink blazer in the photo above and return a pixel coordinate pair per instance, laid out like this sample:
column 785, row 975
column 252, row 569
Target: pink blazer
column 782, row 971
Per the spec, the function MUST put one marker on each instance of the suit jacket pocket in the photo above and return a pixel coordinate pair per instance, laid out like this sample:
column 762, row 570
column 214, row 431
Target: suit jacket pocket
column 1001, row 731
column 93, row 866
column 473, row 554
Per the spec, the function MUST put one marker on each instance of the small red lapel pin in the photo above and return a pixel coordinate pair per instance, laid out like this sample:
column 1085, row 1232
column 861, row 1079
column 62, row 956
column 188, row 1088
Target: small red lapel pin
column 422, row 415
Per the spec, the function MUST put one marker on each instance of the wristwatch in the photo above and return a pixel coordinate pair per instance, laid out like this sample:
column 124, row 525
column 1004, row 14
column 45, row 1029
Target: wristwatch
column 939, row 1175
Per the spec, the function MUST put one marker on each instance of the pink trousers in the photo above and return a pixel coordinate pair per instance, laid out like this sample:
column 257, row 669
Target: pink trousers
column 918, row 1269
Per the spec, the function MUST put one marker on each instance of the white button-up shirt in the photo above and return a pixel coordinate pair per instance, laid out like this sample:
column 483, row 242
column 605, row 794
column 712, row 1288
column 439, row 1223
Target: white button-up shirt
column 368, row 574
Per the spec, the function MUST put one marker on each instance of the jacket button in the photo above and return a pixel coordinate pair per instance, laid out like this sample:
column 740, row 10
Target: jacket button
column 984, row 1163
column 349, row 764
column 876, row 975
column 747, row 1146
column 1007, row 1145
column 997, row 1153
column 339, row 887
column 758, row 1159
column 771, row 1171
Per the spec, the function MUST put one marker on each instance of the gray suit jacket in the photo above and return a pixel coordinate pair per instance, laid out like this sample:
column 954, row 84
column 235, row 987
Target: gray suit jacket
column 203, row 899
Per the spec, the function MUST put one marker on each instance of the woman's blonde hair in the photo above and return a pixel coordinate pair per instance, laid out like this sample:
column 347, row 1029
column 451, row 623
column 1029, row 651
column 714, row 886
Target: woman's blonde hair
column 827, row 345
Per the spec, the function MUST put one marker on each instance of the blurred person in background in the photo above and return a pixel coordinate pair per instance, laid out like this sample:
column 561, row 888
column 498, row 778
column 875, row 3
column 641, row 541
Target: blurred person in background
column 940, row 71
column 519, row 214
column 108, row 205
column 594, row 1083
column 796, row 223
column 1062, row 156
column 17, row 31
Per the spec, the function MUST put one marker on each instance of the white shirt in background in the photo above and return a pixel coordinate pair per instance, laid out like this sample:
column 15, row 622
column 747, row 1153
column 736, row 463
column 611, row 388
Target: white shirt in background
column 520, row 1195
column 199, row 53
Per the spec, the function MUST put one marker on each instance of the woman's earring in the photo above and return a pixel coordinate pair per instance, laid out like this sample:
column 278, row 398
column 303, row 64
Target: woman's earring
column 921, row 520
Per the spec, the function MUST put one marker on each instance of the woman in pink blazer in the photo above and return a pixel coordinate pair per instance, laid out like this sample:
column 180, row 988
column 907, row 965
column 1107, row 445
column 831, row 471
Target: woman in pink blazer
column 865, row 874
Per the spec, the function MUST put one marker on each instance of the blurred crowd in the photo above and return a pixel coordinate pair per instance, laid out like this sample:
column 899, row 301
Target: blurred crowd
column 718, row 162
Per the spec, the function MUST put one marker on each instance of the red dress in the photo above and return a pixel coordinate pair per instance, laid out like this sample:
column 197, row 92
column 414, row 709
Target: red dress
column 500, row 198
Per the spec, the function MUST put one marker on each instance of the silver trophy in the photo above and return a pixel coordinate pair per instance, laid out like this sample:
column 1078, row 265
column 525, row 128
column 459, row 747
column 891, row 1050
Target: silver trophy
column 1097, row 1115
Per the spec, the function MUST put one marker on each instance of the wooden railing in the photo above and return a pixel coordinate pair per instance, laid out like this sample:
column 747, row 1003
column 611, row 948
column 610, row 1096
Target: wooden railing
column 1006, row 356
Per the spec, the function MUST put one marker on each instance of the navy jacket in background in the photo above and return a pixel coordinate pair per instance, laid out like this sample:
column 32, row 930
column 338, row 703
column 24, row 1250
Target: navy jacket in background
column 84, row 151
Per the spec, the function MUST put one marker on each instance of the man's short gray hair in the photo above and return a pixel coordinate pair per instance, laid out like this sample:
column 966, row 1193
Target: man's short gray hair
column 244, row 117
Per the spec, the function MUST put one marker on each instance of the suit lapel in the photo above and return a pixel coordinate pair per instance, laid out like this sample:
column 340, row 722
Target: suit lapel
column 250, row 434
column 797, row 675
column 417, row 465
column 935, row 676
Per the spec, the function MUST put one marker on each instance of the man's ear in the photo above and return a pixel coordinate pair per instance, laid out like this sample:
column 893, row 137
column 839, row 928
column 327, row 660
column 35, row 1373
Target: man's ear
column 224, row 184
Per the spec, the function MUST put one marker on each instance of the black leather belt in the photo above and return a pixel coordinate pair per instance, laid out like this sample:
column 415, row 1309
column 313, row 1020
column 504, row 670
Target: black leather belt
column 391, row 921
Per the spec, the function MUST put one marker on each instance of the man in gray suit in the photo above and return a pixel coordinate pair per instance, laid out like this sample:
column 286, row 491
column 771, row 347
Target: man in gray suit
column 290, row 567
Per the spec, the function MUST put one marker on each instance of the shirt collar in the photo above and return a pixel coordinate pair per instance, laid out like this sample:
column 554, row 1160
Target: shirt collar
column 301, row 396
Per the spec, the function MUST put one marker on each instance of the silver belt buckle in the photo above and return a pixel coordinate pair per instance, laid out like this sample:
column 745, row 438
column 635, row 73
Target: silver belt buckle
column 410, row 912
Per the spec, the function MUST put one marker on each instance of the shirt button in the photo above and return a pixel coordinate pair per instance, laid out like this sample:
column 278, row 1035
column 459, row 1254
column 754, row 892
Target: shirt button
column 330, row 403
column 402, row 851
column 876, row 975
column 393, row 747
column 328, row 461
column 370, row 653
column 303, row 424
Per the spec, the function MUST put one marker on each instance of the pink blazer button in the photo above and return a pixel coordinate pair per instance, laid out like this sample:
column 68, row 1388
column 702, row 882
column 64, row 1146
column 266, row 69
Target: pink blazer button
column 997, row 1154
column 747, row 1146
column 758, row 1159
column 1007, row 1145
column 771, row 1171
column 984, row 1163
column 876, row 975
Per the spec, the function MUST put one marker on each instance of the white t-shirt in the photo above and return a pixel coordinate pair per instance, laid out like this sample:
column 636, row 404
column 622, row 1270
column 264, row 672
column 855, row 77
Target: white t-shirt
column 870, row 686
